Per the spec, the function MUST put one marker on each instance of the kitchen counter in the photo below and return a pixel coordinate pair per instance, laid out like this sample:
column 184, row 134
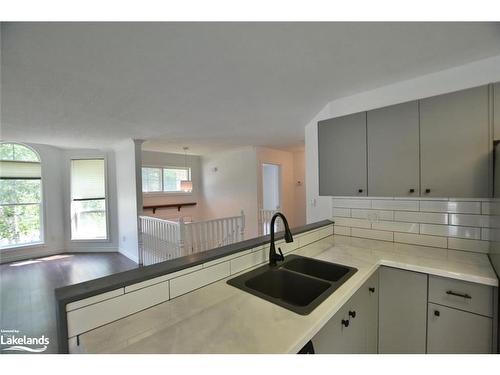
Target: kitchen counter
column 219, row 318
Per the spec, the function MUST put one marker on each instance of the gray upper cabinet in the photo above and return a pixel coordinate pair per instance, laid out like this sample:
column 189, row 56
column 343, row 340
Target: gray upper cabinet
column 496, row 110
column 342, row 155
column 455, row 144
column 393, row 150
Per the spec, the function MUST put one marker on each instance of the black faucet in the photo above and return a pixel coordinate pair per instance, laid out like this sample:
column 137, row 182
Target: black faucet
column 273, row 257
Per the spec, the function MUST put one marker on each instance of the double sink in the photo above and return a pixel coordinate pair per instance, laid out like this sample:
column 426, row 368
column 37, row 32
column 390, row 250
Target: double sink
column 299, row 284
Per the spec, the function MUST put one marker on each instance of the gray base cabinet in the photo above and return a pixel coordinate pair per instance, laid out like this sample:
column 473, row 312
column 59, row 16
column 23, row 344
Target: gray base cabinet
column 452, row 331
column 402, row 311
column 353, row 329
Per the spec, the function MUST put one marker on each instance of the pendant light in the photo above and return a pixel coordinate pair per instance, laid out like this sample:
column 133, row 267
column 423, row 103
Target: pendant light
column 186, row 185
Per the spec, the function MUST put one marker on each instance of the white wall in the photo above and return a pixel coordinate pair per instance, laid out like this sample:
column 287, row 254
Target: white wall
column 229, row 184
column 457, row 78
column 163, row 159
column 299, row 180
column 127, row 197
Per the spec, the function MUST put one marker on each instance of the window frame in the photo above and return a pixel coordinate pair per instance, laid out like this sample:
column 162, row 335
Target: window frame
column 43, row 228
column 106, row 200
column 163, row 192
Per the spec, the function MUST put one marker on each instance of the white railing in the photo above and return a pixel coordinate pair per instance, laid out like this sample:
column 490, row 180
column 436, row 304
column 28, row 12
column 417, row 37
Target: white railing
column 265, row 217
column 163, row 240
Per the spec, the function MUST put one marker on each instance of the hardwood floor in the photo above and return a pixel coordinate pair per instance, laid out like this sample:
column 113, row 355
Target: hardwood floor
column 27, row 300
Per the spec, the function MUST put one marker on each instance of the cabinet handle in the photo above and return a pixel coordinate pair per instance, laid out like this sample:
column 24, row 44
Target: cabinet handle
column 360, row 190
column 412, row 191
column 427, row 191
column 345, row 323
column 371, row 290
column 436, row 313
column 463, row 295
column 352, row 314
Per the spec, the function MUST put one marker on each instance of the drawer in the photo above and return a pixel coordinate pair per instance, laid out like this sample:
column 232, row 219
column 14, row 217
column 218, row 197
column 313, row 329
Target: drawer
column 463, row 295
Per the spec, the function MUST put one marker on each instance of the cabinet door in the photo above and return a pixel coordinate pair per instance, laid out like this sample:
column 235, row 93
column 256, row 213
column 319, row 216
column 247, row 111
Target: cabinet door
column 455, row 332
column 372, row 297
column 342, row 155
column 393, row 150
column 402, row 311
column 496, row 110
column 455, row 144
column 358, row 336
column 334, row 337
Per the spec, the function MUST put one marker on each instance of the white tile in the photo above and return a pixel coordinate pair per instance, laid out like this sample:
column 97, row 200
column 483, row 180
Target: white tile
column 351, row 203
column 325, row 232
column 396, row 226
column 241, row 263
column 372, row 215
column 342, row 231
column 146, row 283
column 349, row 222
column 372, row 234
column 486, row 208
column 468, row 245
column 451, row 206
column 195, row 280
column 421, row 217
column 98, row 314
column 396, row 205
column 94, row 299
column 342, row 212
column 290, row 246
column 419, row 239
column 450, row 231
column 485, row 234
column 470, row 220
column 307, row 238
column 185, row 271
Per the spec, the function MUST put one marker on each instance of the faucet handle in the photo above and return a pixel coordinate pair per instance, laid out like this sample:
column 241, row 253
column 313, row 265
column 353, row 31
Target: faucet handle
column 281, row 256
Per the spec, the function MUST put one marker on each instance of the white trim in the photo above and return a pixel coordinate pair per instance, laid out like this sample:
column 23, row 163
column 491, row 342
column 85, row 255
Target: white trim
column 98, row 156
column 42, row 203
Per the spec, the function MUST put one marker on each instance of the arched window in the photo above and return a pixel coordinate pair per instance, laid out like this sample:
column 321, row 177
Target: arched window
column 20, row 196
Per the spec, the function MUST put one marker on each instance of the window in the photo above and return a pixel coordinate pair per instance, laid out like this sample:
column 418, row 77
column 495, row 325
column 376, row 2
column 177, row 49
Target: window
column 168, row 179
column 20, row 196
column 88, row 200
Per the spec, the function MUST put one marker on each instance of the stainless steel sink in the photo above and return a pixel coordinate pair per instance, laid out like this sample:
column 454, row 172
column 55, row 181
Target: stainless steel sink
column 299, row 284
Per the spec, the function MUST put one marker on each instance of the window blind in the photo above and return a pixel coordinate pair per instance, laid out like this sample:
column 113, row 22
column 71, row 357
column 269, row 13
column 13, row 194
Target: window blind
column 87, row 179
column 10, row 169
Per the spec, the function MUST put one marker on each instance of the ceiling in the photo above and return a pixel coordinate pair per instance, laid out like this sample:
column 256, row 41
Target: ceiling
column 208, row 85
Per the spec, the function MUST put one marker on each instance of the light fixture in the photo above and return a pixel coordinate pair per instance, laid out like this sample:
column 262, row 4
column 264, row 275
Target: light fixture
column 186, row 185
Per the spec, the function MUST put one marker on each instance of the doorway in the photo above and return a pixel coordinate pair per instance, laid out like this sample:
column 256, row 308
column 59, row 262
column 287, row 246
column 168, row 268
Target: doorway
column 271, row 187
column 271, row 197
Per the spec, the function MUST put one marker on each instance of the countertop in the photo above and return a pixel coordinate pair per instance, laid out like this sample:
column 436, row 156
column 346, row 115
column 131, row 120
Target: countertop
column 219, row 318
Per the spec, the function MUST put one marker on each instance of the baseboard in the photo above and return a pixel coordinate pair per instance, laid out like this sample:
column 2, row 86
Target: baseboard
column 132, row 257
column 15, row 255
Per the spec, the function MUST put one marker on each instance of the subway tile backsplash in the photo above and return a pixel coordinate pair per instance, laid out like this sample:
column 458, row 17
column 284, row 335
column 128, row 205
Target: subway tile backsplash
column 460, row 224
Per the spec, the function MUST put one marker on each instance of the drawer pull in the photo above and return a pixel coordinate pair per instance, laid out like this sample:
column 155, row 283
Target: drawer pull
column 352, row 314
column 371, row 290
column 463, row 295
column 345, row 323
